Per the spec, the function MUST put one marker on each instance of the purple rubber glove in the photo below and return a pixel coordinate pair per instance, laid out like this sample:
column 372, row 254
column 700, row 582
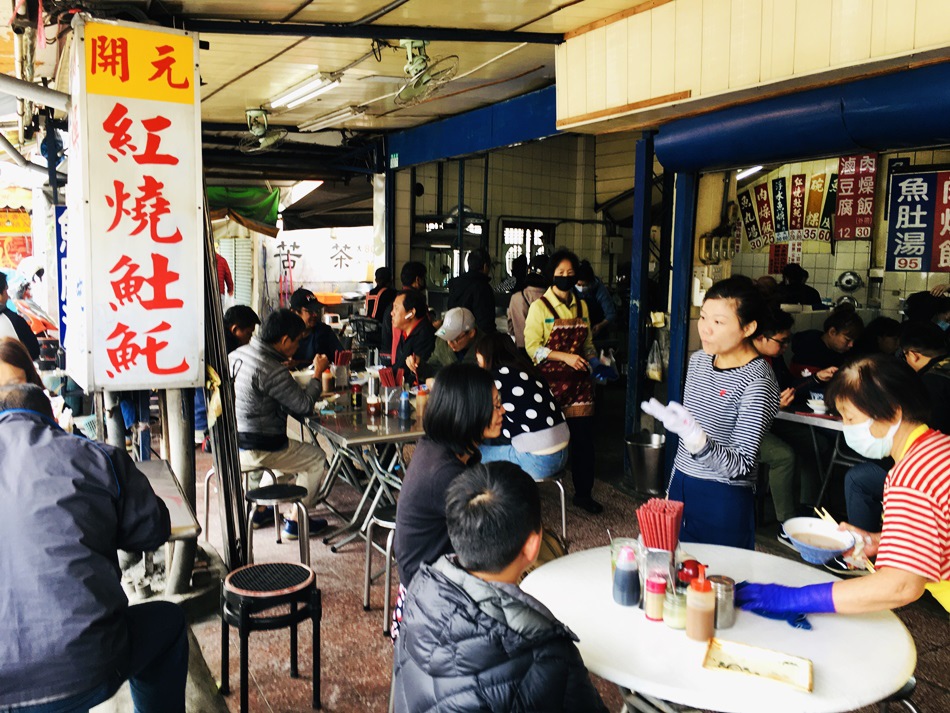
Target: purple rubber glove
column 778, row 599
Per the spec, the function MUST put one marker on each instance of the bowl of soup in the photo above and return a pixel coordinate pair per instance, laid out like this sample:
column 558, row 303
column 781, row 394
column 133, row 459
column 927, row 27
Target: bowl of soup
column 816, row 540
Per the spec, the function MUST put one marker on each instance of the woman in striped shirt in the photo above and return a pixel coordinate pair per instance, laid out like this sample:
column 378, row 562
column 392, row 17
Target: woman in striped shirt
column 730, row 400
column 884, row 407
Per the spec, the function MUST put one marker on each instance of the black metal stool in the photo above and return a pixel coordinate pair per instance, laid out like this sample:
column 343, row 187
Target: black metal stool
column 275, row 495
column 256, row 588
column 902, row 697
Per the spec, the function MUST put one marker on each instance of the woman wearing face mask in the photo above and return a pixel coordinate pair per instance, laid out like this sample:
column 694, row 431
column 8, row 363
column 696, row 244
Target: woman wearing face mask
column 884, row 407
column 557, row 337
column 730, row 399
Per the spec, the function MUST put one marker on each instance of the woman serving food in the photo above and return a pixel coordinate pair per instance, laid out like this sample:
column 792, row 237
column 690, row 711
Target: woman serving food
column 884, row 408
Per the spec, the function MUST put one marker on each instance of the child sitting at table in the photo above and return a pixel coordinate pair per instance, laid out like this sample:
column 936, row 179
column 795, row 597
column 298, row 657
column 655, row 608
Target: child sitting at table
column 470, row 638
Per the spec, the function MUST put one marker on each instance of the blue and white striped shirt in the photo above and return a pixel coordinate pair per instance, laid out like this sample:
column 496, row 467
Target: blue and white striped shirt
column 735, row 407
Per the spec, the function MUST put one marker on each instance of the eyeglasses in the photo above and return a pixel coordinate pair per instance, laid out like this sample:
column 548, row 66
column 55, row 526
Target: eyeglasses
column 781, row 342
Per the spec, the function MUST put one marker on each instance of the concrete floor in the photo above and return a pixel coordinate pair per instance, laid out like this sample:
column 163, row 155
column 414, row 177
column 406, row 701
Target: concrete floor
column 357, row 659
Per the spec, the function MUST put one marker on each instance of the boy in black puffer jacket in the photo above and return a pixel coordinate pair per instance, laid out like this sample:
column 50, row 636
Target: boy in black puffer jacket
column 470, row 639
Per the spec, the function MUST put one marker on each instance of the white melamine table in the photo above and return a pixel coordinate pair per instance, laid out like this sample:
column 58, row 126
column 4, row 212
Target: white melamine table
column 858, row 660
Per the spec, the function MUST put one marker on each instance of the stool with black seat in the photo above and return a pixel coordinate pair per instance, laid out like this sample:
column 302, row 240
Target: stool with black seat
column 274, row 496
column 383, row 517
column 247, row 596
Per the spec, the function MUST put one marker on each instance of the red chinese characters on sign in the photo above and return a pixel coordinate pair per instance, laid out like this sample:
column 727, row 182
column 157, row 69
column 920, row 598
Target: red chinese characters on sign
column 128, row 351
column 149, row 206
column 796, row 212
column 855, row 200
column 127, row 285
column 163, row 68
column 940, row 254
column 110, row 55
column 117, row 124
column 763, row 208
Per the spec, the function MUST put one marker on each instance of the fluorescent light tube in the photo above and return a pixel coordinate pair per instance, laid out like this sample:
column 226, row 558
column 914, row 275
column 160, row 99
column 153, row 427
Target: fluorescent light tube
column 747, row 172
column 315, row 93
column 310, row 88
column 326, row 120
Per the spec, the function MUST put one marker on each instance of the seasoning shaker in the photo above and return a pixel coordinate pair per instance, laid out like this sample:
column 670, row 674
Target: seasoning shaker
column 724, row 588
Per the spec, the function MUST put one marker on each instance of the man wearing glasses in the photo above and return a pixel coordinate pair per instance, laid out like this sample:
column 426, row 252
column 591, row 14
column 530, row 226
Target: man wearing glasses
column 456, row 344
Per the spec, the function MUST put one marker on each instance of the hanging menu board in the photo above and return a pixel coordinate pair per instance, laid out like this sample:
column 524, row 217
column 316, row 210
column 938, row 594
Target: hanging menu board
column 855, row 209
column 918, row 233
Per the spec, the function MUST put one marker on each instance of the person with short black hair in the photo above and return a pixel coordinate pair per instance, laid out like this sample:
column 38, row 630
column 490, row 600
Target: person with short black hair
column 473, row 290
column 13, row 325
column 68, row 637
column 416, row 336
column 814, row 351
column 603, row 311
column 240, row 321
column 730, row 399
column 460, row 607
column 793, row 289
column 317, row 337
column 413, row 277
column 536, row 283
column 463, row 410
column 264, row 394
column 884, row 407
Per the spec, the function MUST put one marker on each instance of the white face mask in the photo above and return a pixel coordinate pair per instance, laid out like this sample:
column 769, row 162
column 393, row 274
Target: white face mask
column 859, row 437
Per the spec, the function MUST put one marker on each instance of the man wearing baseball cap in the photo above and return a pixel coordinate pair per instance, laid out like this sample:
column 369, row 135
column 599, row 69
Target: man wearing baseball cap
column 457, row 337
column 317, row 338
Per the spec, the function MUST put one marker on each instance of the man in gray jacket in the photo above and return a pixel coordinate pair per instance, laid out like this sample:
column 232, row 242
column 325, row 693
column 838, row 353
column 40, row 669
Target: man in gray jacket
column 470, row 639
column 265, row 393
column 68, row 637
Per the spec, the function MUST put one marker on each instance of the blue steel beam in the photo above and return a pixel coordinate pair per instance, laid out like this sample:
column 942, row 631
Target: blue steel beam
column 683, row 229
column 639, row 270
column 525, row 118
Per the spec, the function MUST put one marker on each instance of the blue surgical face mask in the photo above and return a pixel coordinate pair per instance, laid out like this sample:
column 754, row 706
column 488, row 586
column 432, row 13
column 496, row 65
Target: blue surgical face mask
column 858, row 436
column 943, row 324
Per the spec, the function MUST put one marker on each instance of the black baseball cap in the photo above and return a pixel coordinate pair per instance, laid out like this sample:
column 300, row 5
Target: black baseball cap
column 303, row 298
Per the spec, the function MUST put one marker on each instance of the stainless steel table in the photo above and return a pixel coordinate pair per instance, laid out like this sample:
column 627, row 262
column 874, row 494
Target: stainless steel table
column 838, row 456
column 364, row 440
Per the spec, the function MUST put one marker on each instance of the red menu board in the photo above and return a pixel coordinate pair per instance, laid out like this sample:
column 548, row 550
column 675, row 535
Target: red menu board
column 796, row 212
column 855, row 209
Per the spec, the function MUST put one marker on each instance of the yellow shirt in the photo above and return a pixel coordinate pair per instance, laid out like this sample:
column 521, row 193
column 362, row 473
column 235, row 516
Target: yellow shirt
column 539, row 323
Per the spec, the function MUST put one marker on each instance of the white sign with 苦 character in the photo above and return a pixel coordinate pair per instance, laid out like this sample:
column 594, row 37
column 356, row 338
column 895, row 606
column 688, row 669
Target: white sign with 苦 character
column 135, row 208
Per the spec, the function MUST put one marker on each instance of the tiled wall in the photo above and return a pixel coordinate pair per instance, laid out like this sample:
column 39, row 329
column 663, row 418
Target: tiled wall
column 548, row 181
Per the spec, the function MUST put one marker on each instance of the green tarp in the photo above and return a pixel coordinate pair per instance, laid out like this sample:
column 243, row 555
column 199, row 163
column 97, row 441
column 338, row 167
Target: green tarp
column 256, row 205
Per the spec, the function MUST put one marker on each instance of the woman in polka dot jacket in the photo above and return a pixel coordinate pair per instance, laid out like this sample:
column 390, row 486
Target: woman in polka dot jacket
column 534, row 433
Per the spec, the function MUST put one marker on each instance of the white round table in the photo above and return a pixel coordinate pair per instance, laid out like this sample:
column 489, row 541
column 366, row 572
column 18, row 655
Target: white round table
column 858, row 660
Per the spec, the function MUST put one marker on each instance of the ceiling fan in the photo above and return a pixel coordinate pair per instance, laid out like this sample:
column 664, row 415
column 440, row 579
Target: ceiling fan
column 425, row 75
column 261, row 138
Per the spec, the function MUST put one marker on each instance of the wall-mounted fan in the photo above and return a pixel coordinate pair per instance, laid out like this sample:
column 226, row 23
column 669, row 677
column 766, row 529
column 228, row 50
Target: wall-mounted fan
column 426, row 75
column 261, row 137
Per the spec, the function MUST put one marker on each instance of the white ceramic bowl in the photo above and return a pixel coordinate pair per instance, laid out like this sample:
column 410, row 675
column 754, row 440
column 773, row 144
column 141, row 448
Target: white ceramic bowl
column 817, row 405
column 817, row 541
column 303, row 376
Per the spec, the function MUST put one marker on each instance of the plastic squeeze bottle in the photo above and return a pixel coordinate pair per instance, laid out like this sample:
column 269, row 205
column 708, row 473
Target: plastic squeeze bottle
column 700, row 608
column 627, row 579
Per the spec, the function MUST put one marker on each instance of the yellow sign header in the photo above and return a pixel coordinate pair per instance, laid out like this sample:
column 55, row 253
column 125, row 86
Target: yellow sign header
column 141, row 64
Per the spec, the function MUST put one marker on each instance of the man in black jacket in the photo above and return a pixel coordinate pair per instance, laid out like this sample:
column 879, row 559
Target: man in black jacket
column 13, row 325
column 470, row 638
column 473, row 290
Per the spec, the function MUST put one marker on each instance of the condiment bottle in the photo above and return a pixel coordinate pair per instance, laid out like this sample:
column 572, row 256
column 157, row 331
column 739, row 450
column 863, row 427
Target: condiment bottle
column 326, row 381
column 700, row 608
column 405, row 410
column 654, row 597
column 674, row 609
column 626, row 578
column 724, row 589
column 356, row 396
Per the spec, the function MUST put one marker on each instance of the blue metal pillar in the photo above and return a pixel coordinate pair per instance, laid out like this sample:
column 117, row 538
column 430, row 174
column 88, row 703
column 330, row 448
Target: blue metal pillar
column 683, row 228
column 639, row 271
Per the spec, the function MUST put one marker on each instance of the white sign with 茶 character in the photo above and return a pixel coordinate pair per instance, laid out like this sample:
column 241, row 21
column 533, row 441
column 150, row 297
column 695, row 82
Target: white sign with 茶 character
column 135, row 208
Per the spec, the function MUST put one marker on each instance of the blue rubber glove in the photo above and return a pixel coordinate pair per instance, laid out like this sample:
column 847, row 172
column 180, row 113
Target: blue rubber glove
column 777, row 599
column 601, row 373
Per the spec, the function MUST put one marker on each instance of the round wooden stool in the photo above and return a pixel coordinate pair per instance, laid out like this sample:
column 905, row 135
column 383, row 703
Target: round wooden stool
column 249, row 591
